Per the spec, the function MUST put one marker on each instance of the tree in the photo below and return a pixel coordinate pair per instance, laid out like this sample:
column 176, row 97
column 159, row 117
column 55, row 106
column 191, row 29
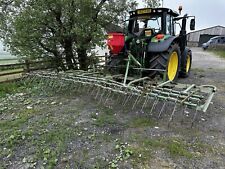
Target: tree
column 58, row 29
column 152, row 3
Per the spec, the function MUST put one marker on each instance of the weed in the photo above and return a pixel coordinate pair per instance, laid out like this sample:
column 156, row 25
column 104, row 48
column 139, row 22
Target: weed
column 173, row 146
column 178, row 148
column 8, row 88
column 124, row 154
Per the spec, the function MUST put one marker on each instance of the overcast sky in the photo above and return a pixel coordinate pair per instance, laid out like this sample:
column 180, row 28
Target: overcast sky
column 208, row 12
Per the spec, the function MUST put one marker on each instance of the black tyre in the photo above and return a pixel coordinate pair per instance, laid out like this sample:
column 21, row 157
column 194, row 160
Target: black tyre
column 186, row 62
column 116, row 65
column 168, row 61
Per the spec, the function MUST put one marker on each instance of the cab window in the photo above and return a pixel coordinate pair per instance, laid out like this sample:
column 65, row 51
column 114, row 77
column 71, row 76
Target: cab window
column 169, row 25
column 138, row 25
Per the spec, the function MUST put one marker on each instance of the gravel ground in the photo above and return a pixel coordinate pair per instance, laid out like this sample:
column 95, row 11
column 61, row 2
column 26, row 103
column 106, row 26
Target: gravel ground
column 206, row 60
column 44, row 128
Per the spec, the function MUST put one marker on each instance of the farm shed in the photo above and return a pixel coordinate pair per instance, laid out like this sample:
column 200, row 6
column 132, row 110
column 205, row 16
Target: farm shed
column 197, row 38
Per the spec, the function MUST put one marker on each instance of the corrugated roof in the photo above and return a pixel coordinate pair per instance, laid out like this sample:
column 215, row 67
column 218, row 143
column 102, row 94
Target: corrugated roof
column 207, row 29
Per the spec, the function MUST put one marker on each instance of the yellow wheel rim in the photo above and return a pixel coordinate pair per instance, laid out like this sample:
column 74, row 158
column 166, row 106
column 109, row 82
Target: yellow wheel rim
column 172, row 66
column 188, row 65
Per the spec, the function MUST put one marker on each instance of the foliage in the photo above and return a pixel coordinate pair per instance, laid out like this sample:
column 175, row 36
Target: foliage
column 8, row 88
column 124, row 154
column 58, row 29
column 152, row 3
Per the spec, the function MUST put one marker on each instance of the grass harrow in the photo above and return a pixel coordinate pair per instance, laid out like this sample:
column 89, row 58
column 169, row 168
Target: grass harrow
column 135, row 93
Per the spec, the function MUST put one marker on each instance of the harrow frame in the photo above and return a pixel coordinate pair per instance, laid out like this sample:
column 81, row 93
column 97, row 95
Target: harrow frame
column 192, row 96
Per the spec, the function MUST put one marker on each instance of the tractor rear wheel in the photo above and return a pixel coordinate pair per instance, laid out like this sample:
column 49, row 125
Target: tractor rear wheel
column 116, row 65
column 167, row 63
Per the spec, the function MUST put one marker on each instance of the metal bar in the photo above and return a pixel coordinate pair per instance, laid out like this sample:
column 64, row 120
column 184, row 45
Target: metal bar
column 134, row 59
column 189, row 96
column 137, row 80
column 159, row 70
column 208, row 102
column 127, row 70
column 164, row 83
column 189, row 88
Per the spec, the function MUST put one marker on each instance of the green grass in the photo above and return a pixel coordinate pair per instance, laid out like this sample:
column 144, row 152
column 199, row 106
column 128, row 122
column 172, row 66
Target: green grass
column 8, row 88
column 175, row 148
column 141, row 122
column 105, row 118
column 48, row 143
column 218, row 52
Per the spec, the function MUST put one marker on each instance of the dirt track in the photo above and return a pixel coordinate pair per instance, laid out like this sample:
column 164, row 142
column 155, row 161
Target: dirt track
column 43, row 129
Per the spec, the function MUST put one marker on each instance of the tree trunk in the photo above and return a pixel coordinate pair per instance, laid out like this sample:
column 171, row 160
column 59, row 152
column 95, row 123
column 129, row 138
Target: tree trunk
column 83, row 59
column 59, row 63
column 68, row 46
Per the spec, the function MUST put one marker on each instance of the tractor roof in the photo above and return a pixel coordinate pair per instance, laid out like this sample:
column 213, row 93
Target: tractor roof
column 144, row 11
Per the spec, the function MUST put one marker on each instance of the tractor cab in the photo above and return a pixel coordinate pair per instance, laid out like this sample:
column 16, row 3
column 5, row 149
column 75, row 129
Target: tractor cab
column 148, row 22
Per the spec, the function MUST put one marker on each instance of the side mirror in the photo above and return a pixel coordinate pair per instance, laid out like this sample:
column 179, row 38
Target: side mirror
column 192, row 25
column 136, row 27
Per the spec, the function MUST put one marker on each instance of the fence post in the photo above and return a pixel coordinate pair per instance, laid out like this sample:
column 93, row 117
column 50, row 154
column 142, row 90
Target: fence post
column 27, row 66
column 106, row 58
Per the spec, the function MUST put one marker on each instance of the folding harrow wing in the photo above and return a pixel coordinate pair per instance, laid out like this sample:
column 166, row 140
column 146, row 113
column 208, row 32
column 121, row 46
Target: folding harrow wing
column 190, row 96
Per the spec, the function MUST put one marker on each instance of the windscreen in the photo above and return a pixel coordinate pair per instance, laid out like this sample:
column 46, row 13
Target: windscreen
column 139, row 24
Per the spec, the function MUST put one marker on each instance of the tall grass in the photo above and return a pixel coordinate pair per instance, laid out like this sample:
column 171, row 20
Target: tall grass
column 218, row 52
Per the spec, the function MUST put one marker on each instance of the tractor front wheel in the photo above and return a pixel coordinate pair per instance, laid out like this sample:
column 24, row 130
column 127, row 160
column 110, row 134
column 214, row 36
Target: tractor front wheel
column 186, row 62
column 166, row 64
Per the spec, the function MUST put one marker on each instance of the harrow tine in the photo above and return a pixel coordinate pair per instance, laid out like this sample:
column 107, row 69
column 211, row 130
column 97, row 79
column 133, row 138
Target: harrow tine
column 161, row 111
column 145, row 102
column 194, row 118
column 118, row 96
column 136, row 101
column 113, row 94
column 100, row 100
column 107, row 97
column 183, row 111
column 172, row 115
column 154, row 105
column 79, row 87
column 93, row 91
column 126, row 98
column 99, row 89
column 90, row 88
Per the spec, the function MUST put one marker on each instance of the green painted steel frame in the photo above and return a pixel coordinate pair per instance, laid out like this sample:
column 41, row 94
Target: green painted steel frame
column 195, row 97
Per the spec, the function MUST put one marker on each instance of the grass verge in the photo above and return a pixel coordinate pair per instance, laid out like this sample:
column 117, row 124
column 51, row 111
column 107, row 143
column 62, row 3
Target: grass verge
column 218, row 52
column 8, row 88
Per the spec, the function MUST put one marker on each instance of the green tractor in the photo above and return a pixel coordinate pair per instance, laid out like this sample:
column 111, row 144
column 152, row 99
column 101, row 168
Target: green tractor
column 150, row 47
